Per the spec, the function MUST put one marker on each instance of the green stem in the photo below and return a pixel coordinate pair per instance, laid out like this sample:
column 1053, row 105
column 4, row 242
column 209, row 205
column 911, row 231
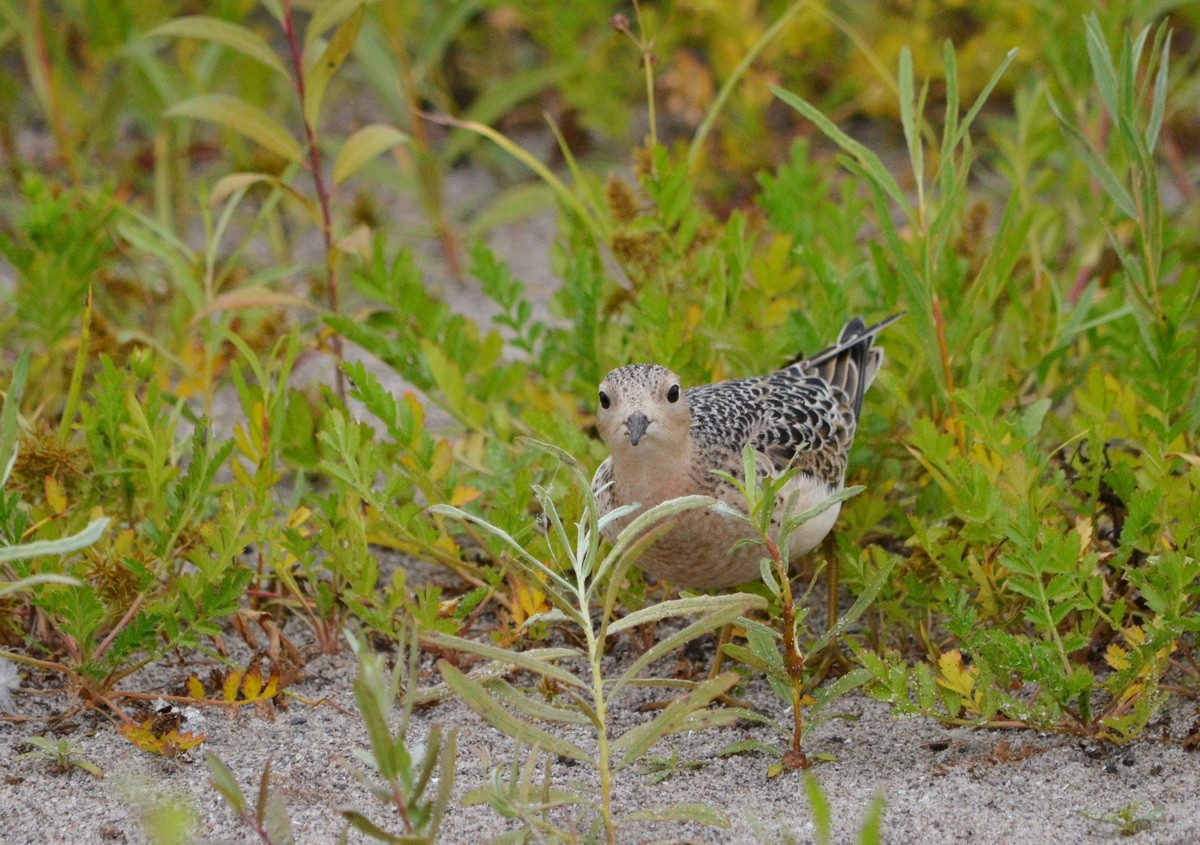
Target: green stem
column 793, row 660
column 595, row 655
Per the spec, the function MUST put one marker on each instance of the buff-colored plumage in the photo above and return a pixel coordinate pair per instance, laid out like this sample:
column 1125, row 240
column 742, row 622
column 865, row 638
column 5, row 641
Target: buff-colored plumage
column 665, row 442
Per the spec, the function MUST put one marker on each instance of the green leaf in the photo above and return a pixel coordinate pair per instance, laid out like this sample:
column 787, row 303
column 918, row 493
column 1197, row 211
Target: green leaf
column 673, row 718
column 818, row 804
column 364, row 145
column 242, row 118
column 322, row 69
column 226, row 784
column 227, row 186
column 8, row 417
column 868, row 160
column 1096, row 164
column 227, row 34
column 61, row 546
column 534, row 660
column 360, row 822
column 676, row 607
column 705, row 814
column 328, row 14
column 1102, row 65
column 698, row 628
column 477, row 698
column 757, row 662
column 856, row 610
column 1159, row 102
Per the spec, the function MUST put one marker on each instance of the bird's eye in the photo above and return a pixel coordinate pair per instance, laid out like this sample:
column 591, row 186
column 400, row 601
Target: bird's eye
column 604, row 400
column 673, row 393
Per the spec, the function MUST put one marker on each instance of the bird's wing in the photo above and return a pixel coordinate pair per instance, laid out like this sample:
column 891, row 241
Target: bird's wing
column 790, row 418
column 602, row 487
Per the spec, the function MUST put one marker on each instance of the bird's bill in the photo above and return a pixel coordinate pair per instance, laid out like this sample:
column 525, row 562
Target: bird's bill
column 637, row 423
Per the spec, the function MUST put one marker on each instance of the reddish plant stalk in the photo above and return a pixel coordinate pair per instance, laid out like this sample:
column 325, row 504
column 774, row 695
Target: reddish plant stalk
column 314, row 166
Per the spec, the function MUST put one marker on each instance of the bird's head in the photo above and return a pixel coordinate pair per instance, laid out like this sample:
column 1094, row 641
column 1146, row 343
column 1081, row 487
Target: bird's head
column 643, row 410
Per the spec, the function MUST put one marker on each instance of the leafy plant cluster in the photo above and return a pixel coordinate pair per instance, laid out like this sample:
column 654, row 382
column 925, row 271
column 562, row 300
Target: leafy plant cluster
column 1022, row 549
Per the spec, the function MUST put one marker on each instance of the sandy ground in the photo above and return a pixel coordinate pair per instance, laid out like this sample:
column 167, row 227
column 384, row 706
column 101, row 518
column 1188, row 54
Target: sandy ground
column 940, row 785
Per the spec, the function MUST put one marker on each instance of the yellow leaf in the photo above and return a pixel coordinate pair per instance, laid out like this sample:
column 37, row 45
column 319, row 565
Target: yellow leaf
column 418, row 412
column 240, row 473
column 1116, row 657
column 56, row 498
column 446, row 544
column 1134, row 635
column 955, row 676
column 443, row 458
column 233, row 680
column 529, row 602
column 298, row 517
column 1084, row 528
column 692, row 318
column 462, row 495
column 195, row 689
column 252, row 684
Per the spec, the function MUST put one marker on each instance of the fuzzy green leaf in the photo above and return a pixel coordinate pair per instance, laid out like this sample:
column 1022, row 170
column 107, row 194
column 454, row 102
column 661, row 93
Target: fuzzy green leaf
column 705, row 814
column 226, row 784
column 534, row 660
column 242, row 118
column 478, row 699
column 227, row 34
column 363, row 146
column 61, row 546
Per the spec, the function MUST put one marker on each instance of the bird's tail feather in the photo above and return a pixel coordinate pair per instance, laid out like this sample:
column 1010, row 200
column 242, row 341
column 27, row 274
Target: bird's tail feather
column 852, row 362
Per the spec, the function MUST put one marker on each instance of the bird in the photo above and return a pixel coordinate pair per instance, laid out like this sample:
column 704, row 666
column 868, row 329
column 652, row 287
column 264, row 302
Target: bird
column 665, row 441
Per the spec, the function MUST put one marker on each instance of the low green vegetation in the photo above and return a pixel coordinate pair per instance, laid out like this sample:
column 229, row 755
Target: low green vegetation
column 194, row 211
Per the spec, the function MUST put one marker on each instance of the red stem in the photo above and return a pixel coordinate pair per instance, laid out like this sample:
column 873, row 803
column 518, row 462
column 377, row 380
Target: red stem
column 314, row 166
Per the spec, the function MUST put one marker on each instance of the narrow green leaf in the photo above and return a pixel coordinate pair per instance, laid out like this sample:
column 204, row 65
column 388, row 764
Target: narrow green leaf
column 227, row 34
column 329, row 14
column 321, row 69
column 226, row 784
column 1102, row 65
column 25, row 584
column 705, row 814
column 637, row 741
column 477, row 698
column 264, row 791
column 363, row 146
column 533, row 660
column 229, row 185
column 360, row 822
column 1096, row 164
column 818, row 804
column 908, row 120
column 646, row 520
column 856, row 610
column 675, row 607
column 867, row 159
column 61, row 546
column 756, row 662
column 871, row 832
column 698, row 628
column 536, row 708
column 242, row 118
column 982, row 97
column 8, row 417
column 710, row 116
column 445, row 783
column 1159, row 102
